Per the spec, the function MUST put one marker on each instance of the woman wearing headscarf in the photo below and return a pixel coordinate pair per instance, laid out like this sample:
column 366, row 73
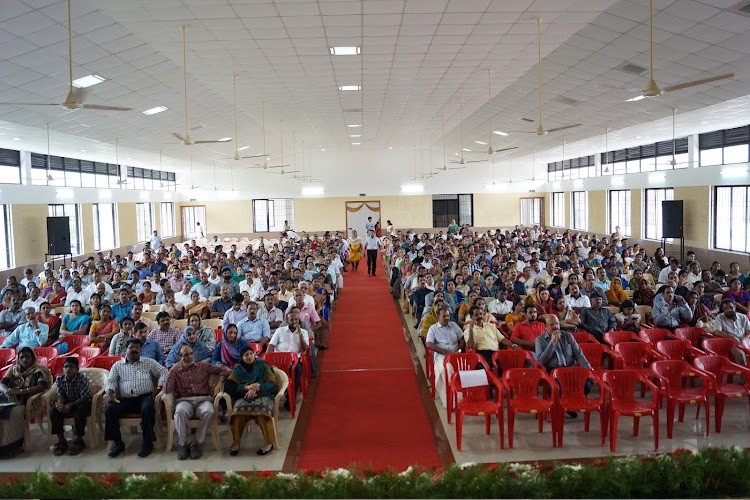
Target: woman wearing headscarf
column 615, row 294
column 24, row 379
column 643, row 295
column 227, row 352
column 189, row 338
column 252, row 385
column 204, row 334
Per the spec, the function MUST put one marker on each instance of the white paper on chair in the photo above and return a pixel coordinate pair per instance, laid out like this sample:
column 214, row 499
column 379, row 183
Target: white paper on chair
column 473, row 378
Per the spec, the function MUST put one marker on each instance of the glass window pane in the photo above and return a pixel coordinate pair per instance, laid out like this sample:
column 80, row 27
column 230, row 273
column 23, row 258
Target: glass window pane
column 711, row 157
column 10, row 175
column 735, row 154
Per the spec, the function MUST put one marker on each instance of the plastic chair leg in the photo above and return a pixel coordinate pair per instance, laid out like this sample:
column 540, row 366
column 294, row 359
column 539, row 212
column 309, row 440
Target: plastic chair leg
column 487, row 422
column 719, row 402
column 511, row 426
column 681, row 415
column 636, row 425
column 670, row 418
column 656, row 430
column 459, row 428
column 613, row 431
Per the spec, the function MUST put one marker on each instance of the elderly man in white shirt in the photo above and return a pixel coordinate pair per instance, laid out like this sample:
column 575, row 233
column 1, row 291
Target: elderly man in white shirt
column 291, row 338
column 444, row 337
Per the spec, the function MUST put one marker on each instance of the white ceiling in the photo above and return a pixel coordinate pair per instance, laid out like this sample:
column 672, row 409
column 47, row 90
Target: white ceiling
column 419, row 57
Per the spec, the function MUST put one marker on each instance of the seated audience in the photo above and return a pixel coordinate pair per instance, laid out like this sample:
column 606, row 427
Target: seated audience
column 670, row 310
column 32, row 333
column 733, row 326
column 198, row 349
column 597, row 320
column 73, row 401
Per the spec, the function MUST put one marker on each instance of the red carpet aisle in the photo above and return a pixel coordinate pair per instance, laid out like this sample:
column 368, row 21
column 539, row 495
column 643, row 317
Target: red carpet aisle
column 367, row 409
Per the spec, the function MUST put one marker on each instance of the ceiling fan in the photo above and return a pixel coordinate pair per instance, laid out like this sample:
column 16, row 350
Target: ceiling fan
column 122, row 180
column 186, row 139
column 282, row 165
column 462, row 161
column 652, row 88
column 74, row 99
column 49, row 174
column 237, row 156
column 491, row 151
column 308, row 177
column 445, row 167
column 192, row 186
column 540, row 130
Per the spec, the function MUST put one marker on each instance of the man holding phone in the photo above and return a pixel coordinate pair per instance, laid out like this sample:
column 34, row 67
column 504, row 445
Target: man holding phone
column 670, row 309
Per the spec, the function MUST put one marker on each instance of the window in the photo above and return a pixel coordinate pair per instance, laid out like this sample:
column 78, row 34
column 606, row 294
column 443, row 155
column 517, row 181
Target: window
column 558, row 209
column 619, row 211
column 167, row 219
column 448, row 207
column 194, row 222
column 144, row 221
column 6, row 239
column 269, row 215
column 575, row 168
column 71, row 211
column 580, row 210
column 724, row 147
column 531, row 211
column 105, row 226
column 654, row 197
column 731, row 218
column 646, row 158
column 10, row 167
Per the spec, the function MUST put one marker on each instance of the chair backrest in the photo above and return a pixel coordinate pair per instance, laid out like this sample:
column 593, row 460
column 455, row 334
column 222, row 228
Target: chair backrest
column 584, row 338
column 257, row 347
column 105, row 362
column 283, row 379
column 712, row 363
column 622, row 384
column 76, row 341
column 719, row 346
column 7, row 356
column 150, row 315
column 645, row 312
column 671, row 370
column 212, row 322
column 61, row 310
column 613, row 309
column 465, row 361
column 524, row 382
column 654, row 335
column 477, row 393
column 284, row 360
column 673, row 349
column 692, row 334
column 97, row 378
column 46, row 352
column 633, row 354
column 512, row 358
column 594, row 353
column 42, row 361
column 617, row 336
column 572, row 379
column 55, row 365
column 180, row 324
column 87, row 351
column 218, row 334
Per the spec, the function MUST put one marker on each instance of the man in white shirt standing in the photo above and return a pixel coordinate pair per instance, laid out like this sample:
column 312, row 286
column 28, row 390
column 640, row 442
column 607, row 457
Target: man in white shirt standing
column 372, row 245
column 369, row 225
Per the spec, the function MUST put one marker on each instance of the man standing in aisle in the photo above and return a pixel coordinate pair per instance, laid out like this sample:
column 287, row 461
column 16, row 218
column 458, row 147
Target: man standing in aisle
column 372, row 245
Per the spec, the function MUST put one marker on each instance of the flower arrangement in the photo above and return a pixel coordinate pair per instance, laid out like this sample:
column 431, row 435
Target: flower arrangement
column 710, row 472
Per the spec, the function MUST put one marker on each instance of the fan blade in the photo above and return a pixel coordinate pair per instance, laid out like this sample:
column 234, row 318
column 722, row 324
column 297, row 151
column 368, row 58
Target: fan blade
column 522, row 132
column 505, row 149
column 695, row 83
column 27, row 104
column 475, row 161
column 256, row 156
column 278, row 166
column 182, row 139
column 209, row 142
column 564, row 127
column 102, row 107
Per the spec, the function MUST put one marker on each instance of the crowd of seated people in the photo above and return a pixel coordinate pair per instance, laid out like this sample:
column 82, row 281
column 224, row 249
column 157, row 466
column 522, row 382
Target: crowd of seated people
column 276, row 296
column 517, row 279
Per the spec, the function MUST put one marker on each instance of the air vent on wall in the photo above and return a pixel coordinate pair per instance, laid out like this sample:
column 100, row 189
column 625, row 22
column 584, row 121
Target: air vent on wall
column 565, row 100
column 742, row 8
column 633, row 69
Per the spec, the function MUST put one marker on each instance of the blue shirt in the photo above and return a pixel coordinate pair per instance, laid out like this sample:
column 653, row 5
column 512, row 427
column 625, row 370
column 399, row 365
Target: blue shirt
column 253, row 331
column 151, row 349
column 120, row 311
column 25, row 336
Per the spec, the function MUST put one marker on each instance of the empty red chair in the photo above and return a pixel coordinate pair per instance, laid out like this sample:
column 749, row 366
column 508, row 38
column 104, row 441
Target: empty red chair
column 638, row 356
column 458, row 361
column 584, row 338
column 105, row 362
column 572, row 381
column 74, row 341
column 692, row 334
column 87, row 351
column 286, row 361
column 429, row 368
column 600, row 356
column 654, row 335
column 522, row 386
column 506, row 359
column 477, row 401
column 672, row 374
column 621, row 386
column 617, row 336
column 46, row 352
column 718, row 367
column 7, row 357
column 724, row 347
column 678, row 349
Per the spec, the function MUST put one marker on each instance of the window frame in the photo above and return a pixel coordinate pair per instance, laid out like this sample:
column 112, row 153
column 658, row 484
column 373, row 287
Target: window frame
column 577, row 213
column 657, row 207
column 169, row 229
column 557, row 203
column 731, row 224
column 144, row 228
column 7, row 257
column 98, row 225
column 627, row 214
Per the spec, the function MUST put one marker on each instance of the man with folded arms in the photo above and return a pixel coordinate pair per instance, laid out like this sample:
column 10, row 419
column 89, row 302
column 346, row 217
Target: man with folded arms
column 132, row 385
column 189, row 382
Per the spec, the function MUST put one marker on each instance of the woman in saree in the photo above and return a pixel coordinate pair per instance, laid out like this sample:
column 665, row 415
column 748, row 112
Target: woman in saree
column 52, row 320
column 24, row 379
column 252, row 385
column 75, row 322
column 103, row 329
column 355, row 250
column 615, row 294
column 57, row 297
column 147, row 296
column 227, row 352
column 197, row 306
column 92, row 310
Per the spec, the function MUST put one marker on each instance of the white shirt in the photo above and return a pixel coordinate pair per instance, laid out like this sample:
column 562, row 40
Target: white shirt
column 294, row 236
column 497, row 307
column 155, row 242
column 738, row 327
column 372, row 243
column 79, row 296
column 665, row 272
column 33, row 303
column 182, row 298
column 284, row 340
column 581, row 301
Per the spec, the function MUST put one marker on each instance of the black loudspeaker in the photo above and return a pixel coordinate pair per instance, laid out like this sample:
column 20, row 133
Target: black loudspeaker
column 671, row 219
column 58, row 235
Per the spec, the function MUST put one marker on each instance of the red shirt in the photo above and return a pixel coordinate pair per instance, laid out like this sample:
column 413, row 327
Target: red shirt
column 528, row 331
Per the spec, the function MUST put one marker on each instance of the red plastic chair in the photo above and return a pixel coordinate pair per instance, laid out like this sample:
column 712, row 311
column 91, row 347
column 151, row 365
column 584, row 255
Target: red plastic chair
column 476, row 401
column 74, row 341
column 672, row 374
column 600, row 356
column 105, row 362
column 618, row 336
column 87, row 351
column 654, row 335
column 55, row 365
column 513, row 358
column 7, row 356
column 286, row 361
column 4, row 370
column 678, row 349
column 306, row 361
column 723, row 347
column 257, row 347
column 584, row 338
column 46, row 352
column 219, row 334
column 621, row 385
column 572, row 381
column 718, row 367
column 459, row 361
column 522, row 386
column 429, row 368
column 638, row 356
column 43, row 361
column 692, row 334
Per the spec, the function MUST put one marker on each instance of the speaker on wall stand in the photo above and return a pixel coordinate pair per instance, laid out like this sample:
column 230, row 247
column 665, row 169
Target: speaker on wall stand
column 672, row 224
column 58, row 238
